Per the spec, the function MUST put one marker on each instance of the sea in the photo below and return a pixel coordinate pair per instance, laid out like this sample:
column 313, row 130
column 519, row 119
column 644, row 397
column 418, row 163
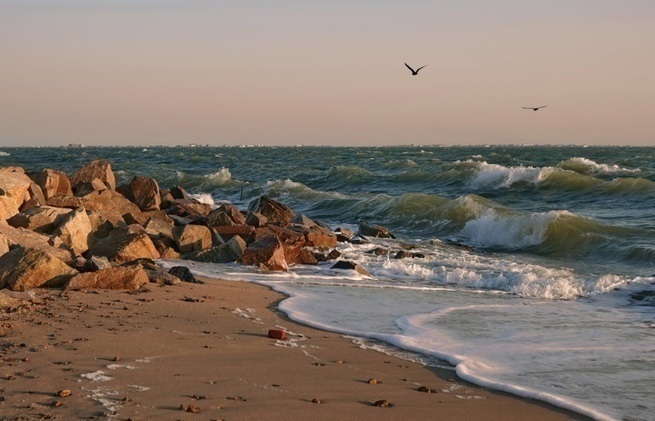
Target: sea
column 535, row 267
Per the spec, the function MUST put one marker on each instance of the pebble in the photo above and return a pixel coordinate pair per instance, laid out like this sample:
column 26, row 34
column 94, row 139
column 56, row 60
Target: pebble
column 426, row 389
column 382, row 403
column 64, row 393
column 372, row 381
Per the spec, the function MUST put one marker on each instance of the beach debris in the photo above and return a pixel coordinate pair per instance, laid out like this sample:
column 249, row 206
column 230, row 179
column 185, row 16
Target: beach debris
column 237, row 398
column 190, row 408
column 64, row 393
column 426, row 389
column 317, row 400
column 200, row 397
column 277, row 334
column 372, row 381
column 57, row 404
column 382, row 403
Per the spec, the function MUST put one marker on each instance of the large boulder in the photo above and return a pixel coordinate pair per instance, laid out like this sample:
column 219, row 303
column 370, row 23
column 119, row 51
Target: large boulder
column 75, row 231
column 124, row 245
column 65, row 201
column 53, row 183
column 190, row 238
column 144, row 192
column 26, row 268
column 43, row 219
column 231, row 251
column 271, row 209
column 4, row 244
column 377, row 231
column 14, row 186
column 121, row 277
column 100, row 169
column 26, row 238
column 108, row 200
column 267, row 253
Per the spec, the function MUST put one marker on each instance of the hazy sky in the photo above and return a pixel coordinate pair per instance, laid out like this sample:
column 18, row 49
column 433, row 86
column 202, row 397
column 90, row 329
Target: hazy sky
column 278, row 72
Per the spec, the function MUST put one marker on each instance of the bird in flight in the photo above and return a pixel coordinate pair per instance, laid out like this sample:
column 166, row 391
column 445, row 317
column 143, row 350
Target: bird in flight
column 534, row 108
column 414, row 72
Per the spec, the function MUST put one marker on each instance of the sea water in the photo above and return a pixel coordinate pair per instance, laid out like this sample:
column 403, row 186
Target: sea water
column 537, row 274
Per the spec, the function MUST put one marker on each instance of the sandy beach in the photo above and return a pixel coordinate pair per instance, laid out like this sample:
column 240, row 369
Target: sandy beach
column 202, row 351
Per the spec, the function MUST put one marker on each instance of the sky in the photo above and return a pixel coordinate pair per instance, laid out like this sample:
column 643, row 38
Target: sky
column 331, row 72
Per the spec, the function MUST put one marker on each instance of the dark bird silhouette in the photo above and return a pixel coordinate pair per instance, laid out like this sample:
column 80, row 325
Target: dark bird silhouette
column 534, row 108
column 414, row 72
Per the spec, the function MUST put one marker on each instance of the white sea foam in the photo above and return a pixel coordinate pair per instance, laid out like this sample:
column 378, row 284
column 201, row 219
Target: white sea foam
column 494, row 175
column 508, row 231
column 3, row 153
column 220, row 177
column 96, row 376
column 596, row 168
column 205, row 198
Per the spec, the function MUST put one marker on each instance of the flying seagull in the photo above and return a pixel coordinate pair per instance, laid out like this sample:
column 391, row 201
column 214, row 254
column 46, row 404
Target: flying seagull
column 414, row 72
column 534, row 108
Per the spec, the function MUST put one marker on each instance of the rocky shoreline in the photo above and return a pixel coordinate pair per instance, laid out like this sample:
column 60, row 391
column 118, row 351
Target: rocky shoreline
column 84, row 231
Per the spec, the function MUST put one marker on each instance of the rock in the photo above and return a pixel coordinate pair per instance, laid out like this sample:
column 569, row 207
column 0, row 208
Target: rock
column 108, row 200
column 190, row 238
column 306, row 258
column 4, row 244
column 162, row 278
column 228, row 231
column 382, row 403
column 9, row 302
column 379, row 251
column 267, row 253
column 324, row 257
column 345, row 232
column 53, row 183
column 36, row 197
column 256, row 219
column 95, row 263
column 271, row 209
column 42, row 219
column 65, row 201
column 124, row 245
column 14, row 187
column 345, row 264
column 159, row 228
column 144, row 192
column 179, row 193
column 84, row 188
column 376, row 231
column 233, row 213
column 304, row 220
column 100, row 169
column 231, row 251
column 120, row 277
column 402, row 254
column 317, row 236
column 30, row 239
column 277, row 334
column 26, row 268
column 75, row 231
column 192, row 210
column 217, row 218
column 184, row 274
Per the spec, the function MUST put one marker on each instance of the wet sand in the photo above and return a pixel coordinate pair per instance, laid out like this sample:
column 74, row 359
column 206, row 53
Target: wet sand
column 202, row 352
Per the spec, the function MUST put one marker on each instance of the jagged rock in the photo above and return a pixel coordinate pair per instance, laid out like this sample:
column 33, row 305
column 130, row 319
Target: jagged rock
column 267, row 253
column 271, row 209
column 14, row 187
column 317, row 236
column 184, row 274
column 225, row 214
column 191, row 210
column 291, row 239
column 166, row 247
column 4, row 244
column 191, row 238
column 108, row 200
column 345, row 264
column 229, row 231
column 304, row 220
column 379, row 251
column 306, row 258
column 231, row 251
column 36, row 197
column 376, row 231
column 120, row 277
column 179, row 193
column 124, row 245
column 26, row 268
column 75, row 231
column 324, row 257
column 87, row 187
column 144, row 192
column 403, row 254
column 100, row 169
column 53, row 183
column 158, row 227
column 256, row 219
column 42, row 219
column 162, row 278
column 26, row 238
column 65, row 201
column 95, row 263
